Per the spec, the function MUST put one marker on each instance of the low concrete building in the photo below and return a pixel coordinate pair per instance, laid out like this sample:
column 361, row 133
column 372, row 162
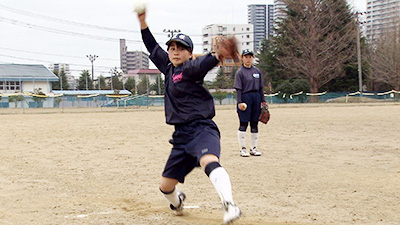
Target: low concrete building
column 25, row 78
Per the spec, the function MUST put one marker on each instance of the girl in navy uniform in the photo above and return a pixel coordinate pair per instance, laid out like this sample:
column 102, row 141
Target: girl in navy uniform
column 189, row 107
column 249, row 86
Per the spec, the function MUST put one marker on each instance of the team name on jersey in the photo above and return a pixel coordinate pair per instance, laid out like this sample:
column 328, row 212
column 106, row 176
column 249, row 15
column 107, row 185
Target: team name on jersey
column 177, row 77
column 256, row 75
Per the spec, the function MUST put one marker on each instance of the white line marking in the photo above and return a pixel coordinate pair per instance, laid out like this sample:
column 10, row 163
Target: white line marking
column 191, row 207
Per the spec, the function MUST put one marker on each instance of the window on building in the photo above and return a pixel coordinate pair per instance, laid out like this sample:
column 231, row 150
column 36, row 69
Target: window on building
column 10, row 85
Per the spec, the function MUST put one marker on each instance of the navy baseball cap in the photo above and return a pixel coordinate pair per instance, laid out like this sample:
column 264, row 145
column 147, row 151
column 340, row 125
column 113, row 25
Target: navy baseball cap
column 182, row 39
column 247, row 52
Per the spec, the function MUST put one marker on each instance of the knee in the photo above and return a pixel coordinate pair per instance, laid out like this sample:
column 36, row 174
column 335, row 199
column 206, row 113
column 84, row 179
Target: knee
column 210, row 167
column 168, row 184
column 243, row 126
column 254, row 127
column 207, row 159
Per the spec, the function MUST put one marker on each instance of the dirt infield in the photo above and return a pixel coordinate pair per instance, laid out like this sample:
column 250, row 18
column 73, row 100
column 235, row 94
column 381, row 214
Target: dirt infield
column 321, row 164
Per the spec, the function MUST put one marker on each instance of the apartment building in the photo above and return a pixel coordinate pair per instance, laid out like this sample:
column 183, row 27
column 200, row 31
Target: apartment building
column 382, row 16
column 72, row 82
column 243, row 32
column 279, row 12
column 132, row 60
column 257, row 15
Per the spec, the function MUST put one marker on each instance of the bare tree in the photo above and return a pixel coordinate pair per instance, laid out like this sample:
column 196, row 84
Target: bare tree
column 318, row 37
column 385, row 58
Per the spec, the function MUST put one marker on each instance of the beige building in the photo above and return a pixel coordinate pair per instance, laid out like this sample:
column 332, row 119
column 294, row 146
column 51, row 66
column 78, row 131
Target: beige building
column 244, row 34
column 131, row 60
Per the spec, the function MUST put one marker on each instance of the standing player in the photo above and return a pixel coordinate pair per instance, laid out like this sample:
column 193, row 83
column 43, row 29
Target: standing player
column 249, row 86
column 190, row 108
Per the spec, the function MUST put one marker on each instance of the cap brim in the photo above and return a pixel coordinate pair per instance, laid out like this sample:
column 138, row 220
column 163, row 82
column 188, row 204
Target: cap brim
column 249, row 53
column 178, row 40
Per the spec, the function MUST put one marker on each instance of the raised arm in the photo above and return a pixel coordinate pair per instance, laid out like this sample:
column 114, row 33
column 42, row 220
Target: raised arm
column 157, row 55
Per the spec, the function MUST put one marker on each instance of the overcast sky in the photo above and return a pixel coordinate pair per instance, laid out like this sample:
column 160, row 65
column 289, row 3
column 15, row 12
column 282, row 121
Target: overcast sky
column 65, row 31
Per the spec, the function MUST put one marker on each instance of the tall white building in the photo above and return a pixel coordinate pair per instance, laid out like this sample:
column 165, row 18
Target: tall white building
column 270, row 20
column 257, row 15
column 382, row 15
column 279, row 13
column 243, row 33
column 72, row 83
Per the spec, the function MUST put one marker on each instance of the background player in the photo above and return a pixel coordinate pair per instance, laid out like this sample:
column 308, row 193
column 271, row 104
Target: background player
column 190, row 108
column 249, row 86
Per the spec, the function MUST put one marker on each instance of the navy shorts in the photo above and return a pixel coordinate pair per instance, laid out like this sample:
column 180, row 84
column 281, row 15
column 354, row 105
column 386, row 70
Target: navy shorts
column 253, row 110
column 190, row 142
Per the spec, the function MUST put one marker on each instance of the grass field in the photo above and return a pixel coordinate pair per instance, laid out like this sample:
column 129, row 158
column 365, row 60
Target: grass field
column 321, row 164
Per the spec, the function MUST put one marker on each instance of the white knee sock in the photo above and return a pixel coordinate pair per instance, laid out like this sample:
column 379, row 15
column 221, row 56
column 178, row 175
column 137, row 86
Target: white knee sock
column 242, row 139
column 173, row 197
column 222, row 184
column 254, row 140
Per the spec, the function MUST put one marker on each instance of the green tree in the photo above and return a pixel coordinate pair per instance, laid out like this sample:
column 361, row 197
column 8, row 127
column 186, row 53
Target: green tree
column 58, row 101
column 38, row 99
column 61, row 77
column 231, row 78
column 16, row 99
column 293, row 86
column 130, row 84
column 158, row 86
column 143, row 86
column 82, row 81
column 116, row 75
column 102, row 81
column 220, row 96
column 273, row 72
column 221, row 80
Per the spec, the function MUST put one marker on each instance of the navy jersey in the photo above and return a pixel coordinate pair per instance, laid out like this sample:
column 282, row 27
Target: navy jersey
column 186, row 99
column 249, row 80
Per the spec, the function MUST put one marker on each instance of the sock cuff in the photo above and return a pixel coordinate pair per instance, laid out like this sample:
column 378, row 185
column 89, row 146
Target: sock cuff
column 167, row 193
column 210, row 167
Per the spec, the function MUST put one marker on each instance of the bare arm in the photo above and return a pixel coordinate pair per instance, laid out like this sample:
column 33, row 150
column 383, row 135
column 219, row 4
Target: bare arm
column 142, row 20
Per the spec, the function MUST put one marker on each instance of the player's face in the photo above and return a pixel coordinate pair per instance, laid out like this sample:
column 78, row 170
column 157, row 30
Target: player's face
column 178, row 54
column 248, row 60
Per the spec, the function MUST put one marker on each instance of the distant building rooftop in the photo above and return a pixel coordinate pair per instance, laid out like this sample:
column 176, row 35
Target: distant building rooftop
column 26, row 72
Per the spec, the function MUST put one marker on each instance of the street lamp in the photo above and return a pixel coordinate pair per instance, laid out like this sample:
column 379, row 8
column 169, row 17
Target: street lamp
column 171, row 32
column 91, row 58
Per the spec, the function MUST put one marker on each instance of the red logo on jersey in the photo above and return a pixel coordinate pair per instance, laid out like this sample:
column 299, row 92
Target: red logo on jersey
column 177, row 77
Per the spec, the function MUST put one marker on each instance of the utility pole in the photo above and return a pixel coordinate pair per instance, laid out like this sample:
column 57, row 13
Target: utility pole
column 60, row 77
column 91, row 58
column 360, row 88
column 171, row 32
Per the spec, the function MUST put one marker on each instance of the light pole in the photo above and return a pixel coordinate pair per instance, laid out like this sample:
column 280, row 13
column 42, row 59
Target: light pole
column 171, row 32
column 91, row 58
column 360, row 88
column 60, row 77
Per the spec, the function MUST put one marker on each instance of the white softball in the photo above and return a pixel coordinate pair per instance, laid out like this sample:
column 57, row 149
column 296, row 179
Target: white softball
column 139, row 7
column 244, row 106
